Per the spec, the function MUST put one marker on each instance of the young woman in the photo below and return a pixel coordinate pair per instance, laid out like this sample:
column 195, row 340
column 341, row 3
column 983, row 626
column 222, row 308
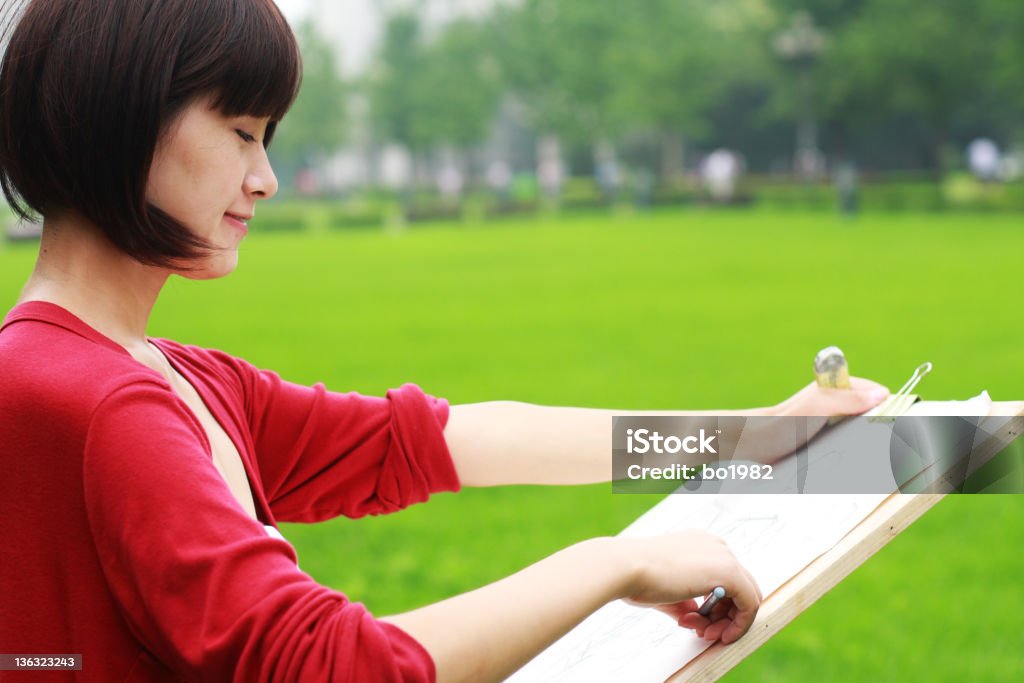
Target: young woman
column 143, row 478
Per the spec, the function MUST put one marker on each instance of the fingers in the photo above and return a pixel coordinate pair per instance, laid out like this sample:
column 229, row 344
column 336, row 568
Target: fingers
column 735, row 613
column 869, row 393
column 732, row 616
column 730, row 628
column 753, row 581
column 732, row 632
column 743, row 590
column 711, row 628
column 694, row 621
column 862, row 384
column 726, row 623
column 706, row 564
column 859, row 398
column 678, row 610
column 716, row 629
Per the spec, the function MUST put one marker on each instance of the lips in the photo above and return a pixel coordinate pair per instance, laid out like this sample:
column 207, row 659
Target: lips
column 238, row 221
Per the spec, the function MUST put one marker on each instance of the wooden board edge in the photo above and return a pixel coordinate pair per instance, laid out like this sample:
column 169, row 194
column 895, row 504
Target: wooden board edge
column 889, row 519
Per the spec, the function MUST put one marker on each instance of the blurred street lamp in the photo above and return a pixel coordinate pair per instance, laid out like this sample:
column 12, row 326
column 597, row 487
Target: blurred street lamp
column 800, row 44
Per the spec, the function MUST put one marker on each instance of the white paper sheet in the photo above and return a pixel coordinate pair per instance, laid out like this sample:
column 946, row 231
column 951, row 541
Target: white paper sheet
column 979, row 405
column 773, row 536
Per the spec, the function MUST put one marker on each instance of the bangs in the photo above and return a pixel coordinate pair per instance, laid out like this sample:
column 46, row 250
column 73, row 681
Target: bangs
column 245, row 54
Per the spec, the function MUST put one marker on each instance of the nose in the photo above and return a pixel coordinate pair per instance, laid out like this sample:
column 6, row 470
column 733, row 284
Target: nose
column 260, row 180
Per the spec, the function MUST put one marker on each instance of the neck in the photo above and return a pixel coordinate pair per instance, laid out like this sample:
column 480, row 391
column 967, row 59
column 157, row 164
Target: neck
column 81, row 270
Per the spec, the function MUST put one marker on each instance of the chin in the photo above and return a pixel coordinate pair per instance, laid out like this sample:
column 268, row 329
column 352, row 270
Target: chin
column 213, row 267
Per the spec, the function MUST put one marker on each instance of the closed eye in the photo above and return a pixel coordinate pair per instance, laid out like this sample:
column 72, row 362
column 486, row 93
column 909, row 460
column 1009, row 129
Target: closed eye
column 245, row 136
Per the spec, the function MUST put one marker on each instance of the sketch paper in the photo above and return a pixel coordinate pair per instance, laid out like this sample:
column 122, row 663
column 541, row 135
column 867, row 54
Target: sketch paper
column 773, row 536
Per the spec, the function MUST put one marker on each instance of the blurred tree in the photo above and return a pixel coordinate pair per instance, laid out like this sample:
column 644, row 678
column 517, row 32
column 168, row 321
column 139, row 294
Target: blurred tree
column 874, row 81
column 1003, row 24
column 557, row 57
column 392, row 82
column 832, row 15
column 317, row 123
column 896, row 80
column 673, row 61
column 429, row 94
column 456, row 95
column 925, row 59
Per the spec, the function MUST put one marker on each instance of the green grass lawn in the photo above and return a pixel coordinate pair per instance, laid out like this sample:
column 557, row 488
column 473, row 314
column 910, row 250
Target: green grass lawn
column 694, row 310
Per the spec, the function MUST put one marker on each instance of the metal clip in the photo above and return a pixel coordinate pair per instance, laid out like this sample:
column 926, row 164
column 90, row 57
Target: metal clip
column 900, row 402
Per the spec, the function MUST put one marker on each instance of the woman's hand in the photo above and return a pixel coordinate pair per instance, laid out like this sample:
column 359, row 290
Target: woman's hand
column 673, row 569
column 812, row 400
column 484, row 635
column 766, row 441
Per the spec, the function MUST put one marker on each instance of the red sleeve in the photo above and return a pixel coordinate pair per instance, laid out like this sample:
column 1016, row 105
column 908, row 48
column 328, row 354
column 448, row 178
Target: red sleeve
column 199, row 582
column 322, row 454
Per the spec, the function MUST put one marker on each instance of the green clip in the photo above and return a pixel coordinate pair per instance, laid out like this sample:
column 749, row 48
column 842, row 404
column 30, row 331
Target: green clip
column 900, row 402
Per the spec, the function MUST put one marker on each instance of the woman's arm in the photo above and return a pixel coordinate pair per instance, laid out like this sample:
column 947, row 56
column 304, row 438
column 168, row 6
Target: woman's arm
column 487, row 634
column 505, row 442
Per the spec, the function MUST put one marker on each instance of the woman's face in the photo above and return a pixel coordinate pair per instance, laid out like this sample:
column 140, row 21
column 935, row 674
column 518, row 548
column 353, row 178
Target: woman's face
column 208, row 171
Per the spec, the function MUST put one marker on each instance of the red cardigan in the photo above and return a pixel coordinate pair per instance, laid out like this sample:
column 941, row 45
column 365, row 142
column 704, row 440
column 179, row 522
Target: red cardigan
column 121, row 541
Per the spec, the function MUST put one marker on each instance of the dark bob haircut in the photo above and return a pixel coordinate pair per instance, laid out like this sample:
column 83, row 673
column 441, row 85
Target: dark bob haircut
column 87, row 87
